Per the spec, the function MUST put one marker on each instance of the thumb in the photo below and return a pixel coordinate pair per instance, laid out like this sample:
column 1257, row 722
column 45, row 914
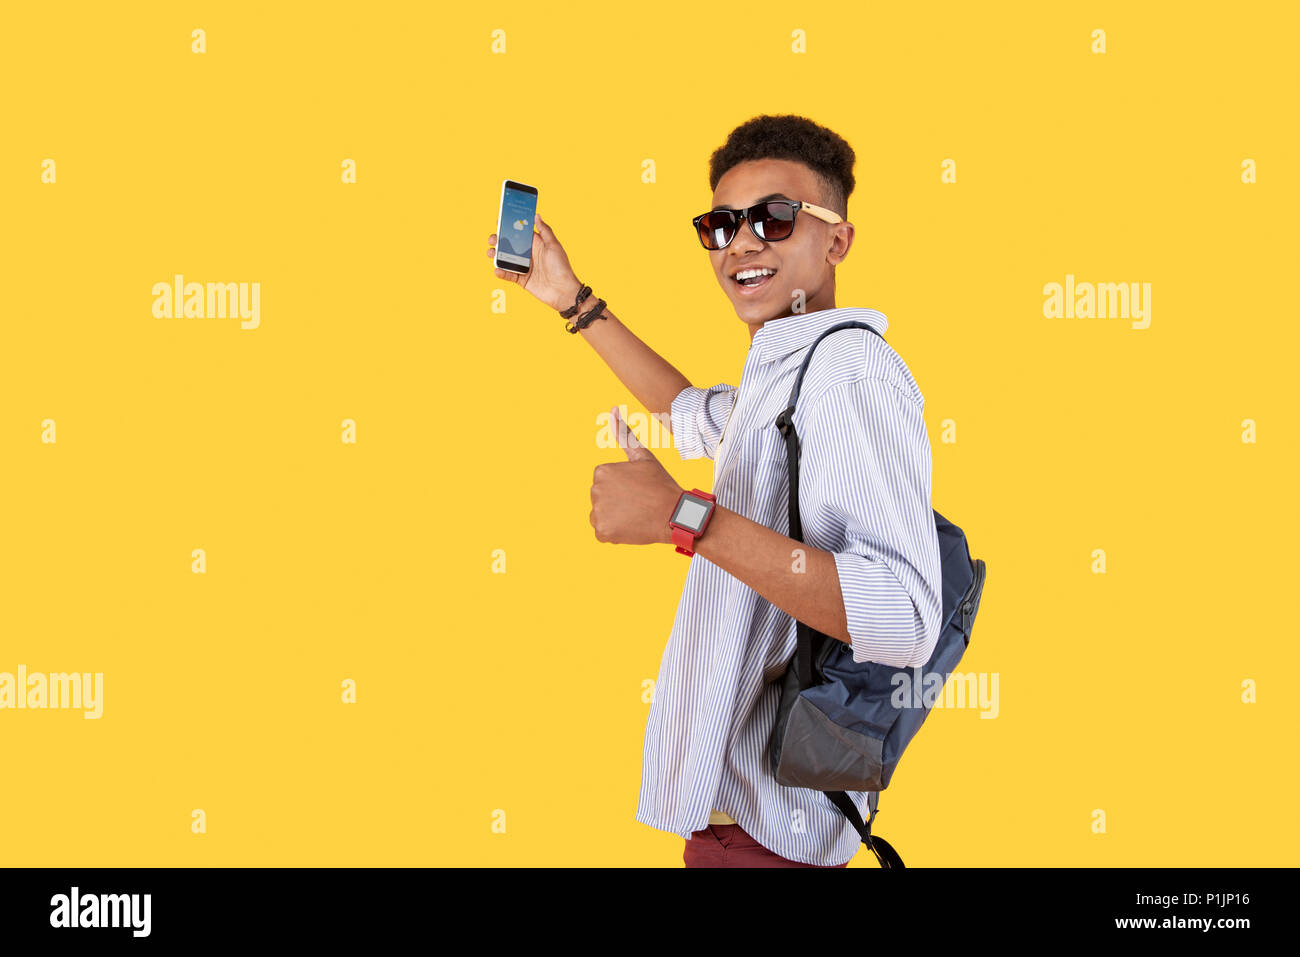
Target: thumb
column 627, row 440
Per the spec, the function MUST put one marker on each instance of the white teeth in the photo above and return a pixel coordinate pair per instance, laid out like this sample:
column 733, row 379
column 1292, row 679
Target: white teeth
column 751, row 273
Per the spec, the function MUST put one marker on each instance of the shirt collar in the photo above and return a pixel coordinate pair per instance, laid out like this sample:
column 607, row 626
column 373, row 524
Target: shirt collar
column 779, row 338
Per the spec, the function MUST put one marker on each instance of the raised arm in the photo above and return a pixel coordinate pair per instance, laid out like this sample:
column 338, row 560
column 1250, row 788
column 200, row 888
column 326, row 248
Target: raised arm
column 647, row 375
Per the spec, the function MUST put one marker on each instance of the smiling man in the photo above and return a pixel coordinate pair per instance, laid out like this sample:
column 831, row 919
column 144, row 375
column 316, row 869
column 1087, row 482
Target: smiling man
column 868, row 571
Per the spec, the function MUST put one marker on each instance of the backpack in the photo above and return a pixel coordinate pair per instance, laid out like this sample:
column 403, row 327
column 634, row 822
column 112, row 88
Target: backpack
column 838, row 727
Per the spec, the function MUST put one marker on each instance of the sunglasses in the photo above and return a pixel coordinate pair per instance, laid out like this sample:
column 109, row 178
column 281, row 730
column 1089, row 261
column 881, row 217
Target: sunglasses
column 771, row 221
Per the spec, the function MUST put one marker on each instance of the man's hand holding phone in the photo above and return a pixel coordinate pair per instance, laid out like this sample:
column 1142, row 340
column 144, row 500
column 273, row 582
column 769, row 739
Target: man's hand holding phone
column 550, row 278
column 525, row 251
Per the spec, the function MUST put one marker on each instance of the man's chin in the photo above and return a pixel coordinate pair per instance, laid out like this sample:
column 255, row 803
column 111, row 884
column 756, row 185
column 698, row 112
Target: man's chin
column 751, row 313
column 753, row 310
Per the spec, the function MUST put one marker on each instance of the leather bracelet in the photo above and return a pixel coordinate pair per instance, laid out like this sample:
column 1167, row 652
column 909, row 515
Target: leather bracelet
column 588, row 318
column 597, row 312
column 583, row 293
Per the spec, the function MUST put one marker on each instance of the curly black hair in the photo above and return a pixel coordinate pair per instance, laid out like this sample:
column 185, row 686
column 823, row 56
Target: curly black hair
column 792, row 137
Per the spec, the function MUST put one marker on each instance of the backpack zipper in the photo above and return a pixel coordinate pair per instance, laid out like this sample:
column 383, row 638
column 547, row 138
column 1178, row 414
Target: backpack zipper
column 971, row 599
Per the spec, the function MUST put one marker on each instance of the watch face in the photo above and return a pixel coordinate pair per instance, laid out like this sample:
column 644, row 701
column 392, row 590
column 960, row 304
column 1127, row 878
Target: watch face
column 690, row 513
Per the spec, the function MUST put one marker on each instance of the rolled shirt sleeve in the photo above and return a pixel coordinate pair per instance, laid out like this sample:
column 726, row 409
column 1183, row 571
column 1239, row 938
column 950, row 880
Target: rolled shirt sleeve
column 698, row 418
column 865, row 468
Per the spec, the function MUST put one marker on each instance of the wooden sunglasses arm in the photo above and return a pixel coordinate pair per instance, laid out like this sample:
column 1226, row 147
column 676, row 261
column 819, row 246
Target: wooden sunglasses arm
column 822, row 213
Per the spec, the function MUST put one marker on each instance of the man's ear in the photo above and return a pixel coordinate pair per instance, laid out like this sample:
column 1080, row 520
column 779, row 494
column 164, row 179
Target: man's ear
column 840, row 245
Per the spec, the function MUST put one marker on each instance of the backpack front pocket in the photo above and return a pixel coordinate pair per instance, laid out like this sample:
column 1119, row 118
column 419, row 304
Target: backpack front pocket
column 815, row 752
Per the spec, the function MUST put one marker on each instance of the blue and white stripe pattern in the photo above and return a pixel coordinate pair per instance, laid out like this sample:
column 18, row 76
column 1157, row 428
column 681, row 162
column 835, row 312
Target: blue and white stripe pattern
column 865, row 496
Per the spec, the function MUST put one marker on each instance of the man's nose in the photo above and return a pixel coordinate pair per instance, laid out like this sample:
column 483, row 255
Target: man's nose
column 746, row 238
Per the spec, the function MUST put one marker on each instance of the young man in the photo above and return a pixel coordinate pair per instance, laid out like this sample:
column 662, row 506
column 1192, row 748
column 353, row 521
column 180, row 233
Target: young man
column 868, row 572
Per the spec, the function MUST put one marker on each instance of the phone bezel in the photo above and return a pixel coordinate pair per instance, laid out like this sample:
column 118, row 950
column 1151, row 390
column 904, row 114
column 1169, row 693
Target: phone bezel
column 507, row 184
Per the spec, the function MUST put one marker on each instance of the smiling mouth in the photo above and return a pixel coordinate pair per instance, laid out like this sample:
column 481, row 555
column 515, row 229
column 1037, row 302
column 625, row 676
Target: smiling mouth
column 747, row 286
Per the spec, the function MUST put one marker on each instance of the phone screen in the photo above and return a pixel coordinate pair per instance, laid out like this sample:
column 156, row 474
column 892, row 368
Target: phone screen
column 515, row 229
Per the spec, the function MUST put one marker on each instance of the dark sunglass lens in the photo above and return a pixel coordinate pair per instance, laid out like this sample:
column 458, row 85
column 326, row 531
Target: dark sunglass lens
column 774, row 221
column 717, row 228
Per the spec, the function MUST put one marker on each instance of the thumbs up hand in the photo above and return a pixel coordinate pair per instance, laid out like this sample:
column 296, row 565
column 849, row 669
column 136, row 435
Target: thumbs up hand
column 632, row 501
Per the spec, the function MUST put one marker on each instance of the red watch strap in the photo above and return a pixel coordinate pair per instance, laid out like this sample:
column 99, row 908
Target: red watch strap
column 684, row 538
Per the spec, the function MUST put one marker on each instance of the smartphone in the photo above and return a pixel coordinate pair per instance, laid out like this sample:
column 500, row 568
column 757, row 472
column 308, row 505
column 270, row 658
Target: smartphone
column 515, row 226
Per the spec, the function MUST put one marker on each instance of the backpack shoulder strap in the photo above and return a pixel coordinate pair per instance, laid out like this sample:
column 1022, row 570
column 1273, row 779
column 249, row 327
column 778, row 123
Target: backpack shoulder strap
column 785, row 424
column 846, row 324
column 884, row 851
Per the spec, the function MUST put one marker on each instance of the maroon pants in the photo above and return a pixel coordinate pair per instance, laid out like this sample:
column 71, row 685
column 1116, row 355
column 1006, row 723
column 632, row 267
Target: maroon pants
column 726, row 845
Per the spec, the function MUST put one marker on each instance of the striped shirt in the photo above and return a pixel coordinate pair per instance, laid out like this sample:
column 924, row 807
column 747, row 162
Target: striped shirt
column 864, row 496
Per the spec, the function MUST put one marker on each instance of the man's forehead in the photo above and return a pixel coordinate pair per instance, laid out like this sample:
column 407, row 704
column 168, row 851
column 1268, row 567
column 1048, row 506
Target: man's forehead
column 760, row 181
column 758, row 199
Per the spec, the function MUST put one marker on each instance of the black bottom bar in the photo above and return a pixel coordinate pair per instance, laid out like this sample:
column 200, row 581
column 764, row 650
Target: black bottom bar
column 334, row 906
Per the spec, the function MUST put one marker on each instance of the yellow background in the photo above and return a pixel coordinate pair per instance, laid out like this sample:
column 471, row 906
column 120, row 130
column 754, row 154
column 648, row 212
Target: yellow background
column 476, row 430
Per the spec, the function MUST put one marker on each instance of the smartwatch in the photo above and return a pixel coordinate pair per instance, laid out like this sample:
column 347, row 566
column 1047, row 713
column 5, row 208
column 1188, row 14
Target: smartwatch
column 692, row 514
